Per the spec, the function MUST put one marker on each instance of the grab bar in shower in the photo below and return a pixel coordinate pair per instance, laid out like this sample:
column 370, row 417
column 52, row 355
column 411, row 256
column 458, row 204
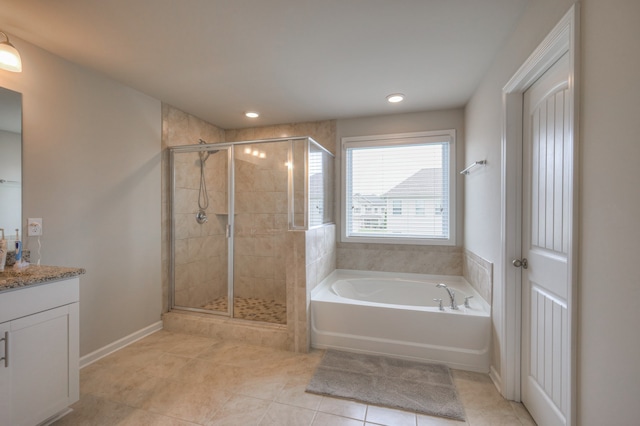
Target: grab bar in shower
column 468, row 169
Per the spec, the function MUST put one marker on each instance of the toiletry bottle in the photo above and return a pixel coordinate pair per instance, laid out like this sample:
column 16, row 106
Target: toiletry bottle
column 3, row 250
column 18, row 247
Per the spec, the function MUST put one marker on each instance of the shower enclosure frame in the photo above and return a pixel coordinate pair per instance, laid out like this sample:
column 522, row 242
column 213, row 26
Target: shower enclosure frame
column 231, row 192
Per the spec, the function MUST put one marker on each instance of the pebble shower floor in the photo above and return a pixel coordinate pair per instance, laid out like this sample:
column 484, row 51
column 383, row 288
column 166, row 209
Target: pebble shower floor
column 252, row 309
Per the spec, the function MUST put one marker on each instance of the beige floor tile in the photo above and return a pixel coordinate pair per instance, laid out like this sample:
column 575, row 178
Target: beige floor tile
column 116, row 384
column 287, row 415
column 343, row 407
column 261, row 387
column 522, row 413
column 203, row 371
column 389, row 416
column 165, row 365
column 95, row 411
column 477, row 391
column 325, row 419
column 190, row 346
column 130, row 357
column 438, row 421
column 492, row 418
column 176, row 379
column 240, row 410
column 157, row 340
column 294, row 394
column 145, row 418
column 194, row 402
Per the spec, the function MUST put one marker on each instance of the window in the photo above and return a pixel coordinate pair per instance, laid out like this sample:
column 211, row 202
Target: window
column 409, row 182
column 396, row 207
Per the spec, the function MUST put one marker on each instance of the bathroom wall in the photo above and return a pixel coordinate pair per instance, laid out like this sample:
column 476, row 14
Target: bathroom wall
column 91, row 169
column 608, row 347
column 200, row 249
column 396, row 257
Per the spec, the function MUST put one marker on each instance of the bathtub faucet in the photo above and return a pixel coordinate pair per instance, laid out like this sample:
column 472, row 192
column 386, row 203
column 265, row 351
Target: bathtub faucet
column 452, row 295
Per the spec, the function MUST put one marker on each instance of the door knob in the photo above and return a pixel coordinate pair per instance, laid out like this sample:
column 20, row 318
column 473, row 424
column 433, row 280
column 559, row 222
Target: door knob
column 520, row 263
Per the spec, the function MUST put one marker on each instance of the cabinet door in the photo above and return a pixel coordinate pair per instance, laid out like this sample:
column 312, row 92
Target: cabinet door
column 44, row 364
column 5, row 378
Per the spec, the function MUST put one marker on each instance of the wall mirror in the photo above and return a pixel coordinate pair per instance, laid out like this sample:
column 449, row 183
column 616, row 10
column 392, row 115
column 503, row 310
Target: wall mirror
column 10, row 162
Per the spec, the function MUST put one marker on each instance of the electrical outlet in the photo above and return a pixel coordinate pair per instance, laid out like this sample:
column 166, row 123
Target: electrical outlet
column 34, row 227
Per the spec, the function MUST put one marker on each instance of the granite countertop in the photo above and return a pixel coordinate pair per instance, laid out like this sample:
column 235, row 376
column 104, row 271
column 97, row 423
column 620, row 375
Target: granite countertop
column 33, row 274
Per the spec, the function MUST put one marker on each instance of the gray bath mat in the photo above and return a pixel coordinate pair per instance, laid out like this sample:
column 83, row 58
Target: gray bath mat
column 389, row 382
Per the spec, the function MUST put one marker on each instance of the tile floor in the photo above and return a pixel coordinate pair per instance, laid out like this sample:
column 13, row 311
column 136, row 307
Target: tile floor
column 178, row 379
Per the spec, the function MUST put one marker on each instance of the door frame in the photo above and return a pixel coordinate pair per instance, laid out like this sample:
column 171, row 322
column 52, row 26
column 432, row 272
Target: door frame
column 564, row 38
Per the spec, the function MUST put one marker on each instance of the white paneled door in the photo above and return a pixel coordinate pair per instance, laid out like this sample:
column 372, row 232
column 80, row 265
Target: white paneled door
column 547, row 157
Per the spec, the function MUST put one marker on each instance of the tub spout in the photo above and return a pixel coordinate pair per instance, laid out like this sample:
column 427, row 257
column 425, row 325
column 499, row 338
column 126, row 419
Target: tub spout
column 452, row 295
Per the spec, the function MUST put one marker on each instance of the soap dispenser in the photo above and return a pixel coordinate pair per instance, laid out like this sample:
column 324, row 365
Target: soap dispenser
column 3, row 250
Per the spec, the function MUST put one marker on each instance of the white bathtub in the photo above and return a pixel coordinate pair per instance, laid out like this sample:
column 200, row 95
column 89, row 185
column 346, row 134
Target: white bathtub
column 394, row 314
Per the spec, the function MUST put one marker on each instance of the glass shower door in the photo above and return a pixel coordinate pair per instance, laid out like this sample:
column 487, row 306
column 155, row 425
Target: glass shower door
column 260, row 230
column 199, row 204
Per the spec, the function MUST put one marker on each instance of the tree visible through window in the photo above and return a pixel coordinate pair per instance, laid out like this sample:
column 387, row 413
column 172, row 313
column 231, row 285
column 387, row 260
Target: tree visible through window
column 398, row 188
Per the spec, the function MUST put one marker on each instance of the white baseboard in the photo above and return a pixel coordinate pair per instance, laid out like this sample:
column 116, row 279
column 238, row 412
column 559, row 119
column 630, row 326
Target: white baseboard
column 119, row 344
column 496, row 379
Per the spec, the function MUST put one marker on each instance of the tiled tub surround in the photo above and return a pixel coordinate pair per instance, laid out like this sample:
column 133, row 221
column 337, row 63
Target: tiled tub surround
column 434, row 260
column 32, row 275
column 479, row 273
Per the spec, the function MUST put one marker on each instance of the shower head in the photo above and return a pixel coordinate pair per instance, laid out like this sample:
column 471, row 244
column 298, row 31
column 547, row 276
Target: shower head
column 205, row 154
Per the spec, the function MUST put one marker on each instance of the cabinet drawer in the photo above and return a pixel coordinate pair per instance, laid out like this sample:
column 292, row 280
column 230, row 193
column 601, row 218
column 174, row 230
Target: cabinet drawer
column 36, row 298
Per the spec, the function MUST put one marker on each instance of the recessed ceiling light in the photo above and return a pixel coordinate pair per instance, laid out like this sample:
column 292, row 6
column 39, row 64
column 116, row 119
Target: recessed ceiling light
column 252, row 114
column 395, row 98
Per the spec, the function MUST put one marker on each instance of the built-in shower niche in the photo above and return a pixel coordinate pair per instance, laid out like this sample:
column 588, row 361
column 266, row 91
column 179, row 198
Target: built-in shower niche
column 253, row 195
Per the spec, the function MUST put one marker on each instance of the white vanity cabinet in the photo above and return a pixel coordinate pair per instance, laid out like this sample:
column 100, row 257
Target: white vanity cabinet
column 39, row 376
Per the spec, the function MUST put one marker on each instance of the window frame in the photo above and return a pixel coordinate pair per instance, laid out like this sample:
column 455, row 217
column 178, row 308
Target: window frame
column 415, row 138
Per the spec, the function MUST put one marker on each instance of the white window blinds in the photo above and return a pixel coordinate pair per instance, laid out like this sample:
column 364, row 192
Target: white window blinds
column 398, row 188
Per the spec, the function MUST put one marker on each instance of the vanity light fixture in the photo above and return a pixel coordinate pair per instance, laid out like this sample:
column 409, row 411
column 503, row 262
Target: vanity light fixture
column 9, row 56
column 252, row 114
column 395, row 98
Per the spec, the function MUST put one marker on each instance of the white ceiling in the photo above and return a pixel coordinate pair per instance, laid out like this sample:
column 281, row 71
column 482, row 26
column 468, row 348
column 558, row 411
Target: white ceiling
column 291, row 60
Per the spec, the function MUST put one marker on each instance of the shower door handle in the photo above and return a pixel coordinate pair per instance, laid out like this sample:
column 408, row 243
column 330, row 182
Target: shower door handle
column 229, row 231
